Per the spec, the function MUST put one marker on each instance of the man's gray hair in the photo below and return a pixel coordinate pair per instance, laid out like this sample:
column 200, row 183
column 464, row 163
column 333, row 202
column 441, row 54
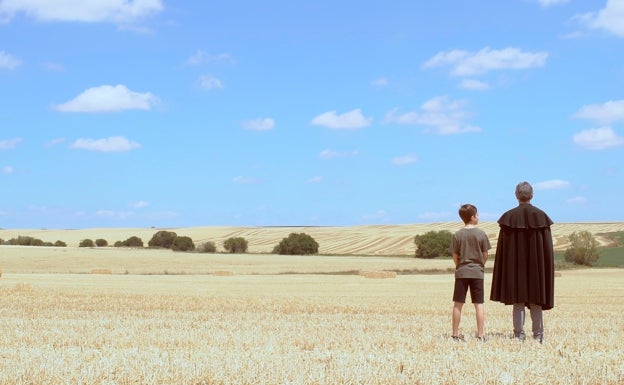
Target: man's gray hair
column 524, row 191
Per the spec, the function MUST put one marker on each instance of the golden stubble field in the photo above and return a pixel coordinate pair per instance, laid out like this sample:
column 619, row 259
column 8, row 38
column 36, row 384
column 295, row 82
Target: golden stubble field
column 186, row 318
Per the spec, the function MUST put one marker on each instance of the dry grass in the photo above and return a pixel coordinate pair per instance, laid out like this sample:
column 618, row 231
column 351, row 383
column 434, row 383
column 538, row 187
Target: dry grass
column 356, row 240
column 296, row 329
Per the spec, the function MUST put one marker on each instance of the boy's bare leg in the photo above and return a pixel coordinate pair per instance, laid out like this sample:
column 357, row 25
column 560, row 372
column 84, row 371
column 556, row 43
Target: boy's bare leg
column 480, row 312
column 457, row 309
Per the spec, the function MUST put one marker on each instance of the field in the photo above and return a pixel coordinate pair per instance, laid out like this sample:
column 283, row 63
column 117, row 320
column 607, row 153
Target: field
column 118, row 316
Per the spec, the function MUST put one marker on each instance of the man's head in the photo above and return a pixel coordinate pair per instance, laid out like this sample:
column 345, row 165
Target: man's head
column 524, row 192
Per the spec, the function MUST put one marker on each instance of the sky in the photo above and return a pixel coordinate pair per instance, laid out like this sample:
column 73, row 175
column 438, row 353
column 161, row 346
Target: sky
column 139, row 113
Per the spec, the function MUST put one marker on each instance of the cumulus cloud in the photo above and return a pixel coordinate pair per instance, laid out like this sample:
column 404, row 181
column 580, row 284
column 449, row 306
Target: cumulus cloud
column 351, row 120
column 440, row 114
column 465, row 63
column 598, row 138
column 380, row 82
column 108, row 98
column 472, row 84
column 610, row 18
column 404, row 160
column 202, row 57
column 551, row 3
column 554, row 184
column 8, row 170
column 315, row 179
column 606, row 113
column 262, row 124
column 209, row 82
column 139, row 204
column 9, row 143
column 329, row 154
column 92, row 11
column 577, row 200
column 8, row 61
column 112, row 144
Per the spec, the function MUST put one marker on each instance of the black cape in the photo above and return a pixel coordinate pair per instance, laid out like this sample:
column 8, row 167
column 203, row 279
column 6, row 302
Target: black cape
column 524, row 267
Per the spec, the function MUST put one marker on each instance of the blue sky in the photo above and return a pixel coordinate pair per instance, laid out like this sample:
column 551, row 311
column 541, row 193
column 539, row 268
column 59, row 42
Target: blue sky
column 177, row 113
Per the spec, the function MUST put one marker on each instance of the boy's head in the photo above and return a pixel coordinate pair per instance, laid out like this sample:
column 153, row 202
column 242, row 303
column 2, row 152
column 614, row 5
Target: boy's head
column 524, row 192
column 466, row 212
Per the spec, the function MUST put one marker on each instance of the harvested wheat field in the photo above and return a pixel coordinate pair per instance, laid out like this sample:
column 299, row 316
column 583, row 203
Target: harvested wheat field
column 296, row 329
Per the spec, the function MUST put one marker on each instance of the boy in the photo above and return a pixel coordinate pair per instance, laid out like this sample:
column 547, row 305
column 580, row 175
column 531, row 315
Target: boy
column 469, row 247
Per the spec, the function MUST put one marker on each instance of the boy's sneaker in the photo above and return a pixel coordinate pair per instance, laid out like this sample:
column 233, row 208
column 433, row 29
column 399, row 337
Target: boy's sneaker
column 459, row 338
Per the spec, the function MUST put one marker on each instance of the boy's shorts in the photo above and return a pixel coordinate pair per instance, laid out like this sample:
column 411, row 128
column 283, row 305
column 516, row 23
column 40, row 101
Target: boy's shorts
column 461, row 288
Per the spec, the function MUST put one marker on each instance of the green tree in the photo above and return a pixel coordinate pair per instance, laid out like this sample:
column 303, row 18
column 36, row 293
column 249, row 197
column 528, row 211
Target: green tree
column 297, row 244
column 101, row 242
column 433, row 244
column 162, row 239
column 183, row 244
column 86, row 243
column 133, row 241
column 236, row 245
column 208, row 247
column 60, row 243
column 583, row 248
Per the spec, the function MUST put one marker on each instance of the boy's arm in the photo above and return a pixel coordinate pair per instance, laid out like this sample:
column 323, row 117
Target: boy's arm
column 455, row 258
column 485, row 257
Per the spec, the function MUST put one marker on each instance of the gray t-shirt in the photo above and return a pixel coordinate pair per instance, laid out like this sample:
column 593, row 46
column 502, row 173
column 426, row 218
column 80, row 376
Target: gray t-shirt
column 469, row 244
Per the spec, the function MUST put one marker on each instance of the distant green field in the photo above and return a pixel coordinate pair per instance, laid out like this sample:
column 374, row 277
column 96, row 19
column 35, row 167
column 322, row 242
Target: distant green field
column 609, row 256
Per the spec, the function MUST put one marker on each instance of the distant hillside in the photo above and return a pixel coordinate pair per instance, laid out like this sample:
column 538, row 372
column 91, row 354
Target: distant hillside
column 356, row 240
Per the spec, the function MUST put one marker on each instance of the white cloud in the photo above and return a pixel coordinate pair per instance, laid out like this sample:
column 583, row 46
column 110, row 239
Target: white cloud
column 8, row 170
column 577, row 200
column 554, row 184
column 262, row 124
column 202, row 57
column 112, row 144
column 404, row 160
column 380, row 82
column 51, row 66
column 55, row 142
column 606, row 113
column 329, row 154
column 315, row 179
column 609, row 18
column 139, row 204
column 465, row 63
column 245, row 180
column 440, row 114
column 109, row 99
column 8, row 61
column 9, row 143
column 598, row 138
column 208, row 82
column 471, row 84
column 92, row 11
column 351, row 120
column 550, row 3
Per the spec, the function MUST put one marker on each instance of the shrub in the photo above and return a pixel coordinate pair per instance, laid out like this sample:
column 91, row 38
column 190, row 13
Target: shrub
column 433, row 244
column 86, row 243
column 133, row 241
column 208, row 247
column 60, row 243
column 162, row 239
column 297, row 244
column 236, row 245
column 583, row 249
column 101, row 242
column 25, row 240
column 183, row 244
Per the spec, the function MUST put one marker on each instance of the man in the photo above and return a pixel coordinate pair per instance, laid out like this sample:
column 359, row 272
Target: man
column 524, row 271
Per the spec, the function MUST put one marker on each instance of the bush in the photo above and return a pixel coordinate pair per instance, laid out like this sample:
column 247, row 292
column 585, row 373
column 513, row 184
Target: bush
column 208, row 247
column 297, row 244
column 237, row 245
column 101, row 242
column 583, row 249
column 183, row 244
column 60, row 243
column 25, row 240
column 162, row 239
column 433, row 244
column 86, row 243
column 133, row 241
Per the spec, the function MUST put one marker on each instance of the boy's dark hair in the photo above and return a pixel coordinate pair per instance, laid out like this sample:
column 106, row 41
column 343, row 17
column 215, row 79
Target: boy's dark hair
column 466, row 212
